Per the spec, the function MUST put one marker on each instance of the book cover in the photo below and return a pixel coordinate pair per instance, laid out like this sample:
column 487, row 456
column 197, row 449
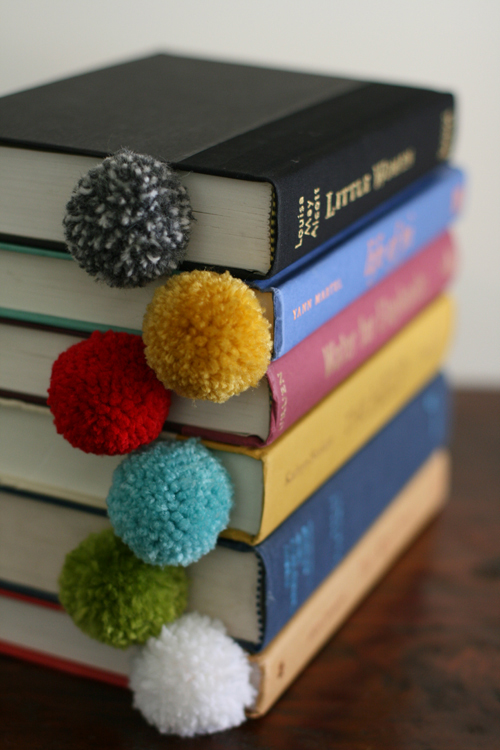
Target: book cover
column 332, row 149
column 272, row 481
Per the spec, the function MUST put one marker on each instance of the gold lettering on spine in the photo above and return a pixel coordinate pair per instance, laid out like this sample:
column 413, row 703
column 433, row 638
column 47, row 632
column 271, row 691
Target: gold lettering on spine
column 309, row 212
column 387, row 169
column 302, row 309
column 347, row 195
column 300, row 217
column 366, row 328
column 330, row 211
column 334, row 286
column 327, row 291
column 284, row 401
column 446, row 134
column 308, row 216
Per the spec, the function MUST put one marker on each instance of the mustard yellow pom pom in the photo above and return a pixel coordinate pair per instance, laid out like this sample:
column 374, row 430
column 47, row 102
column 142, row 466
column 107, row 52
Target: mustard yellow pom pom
column 206, row 336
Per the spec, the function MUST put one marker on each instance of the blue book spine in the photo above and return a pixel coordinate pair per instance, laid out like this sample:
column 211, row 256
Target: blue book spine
column 335, row 277
column 299, row 555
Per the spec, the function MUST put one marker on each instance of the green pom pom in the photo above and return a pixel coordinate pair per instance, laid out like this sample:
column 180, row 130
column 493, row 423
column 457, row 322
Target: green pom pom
column 116, row 598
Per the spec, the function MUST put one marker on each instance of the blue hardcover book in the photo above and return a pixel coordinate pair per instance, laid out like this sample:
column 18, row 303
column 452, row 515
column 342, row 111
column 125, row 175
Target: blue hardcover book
column 300, row 554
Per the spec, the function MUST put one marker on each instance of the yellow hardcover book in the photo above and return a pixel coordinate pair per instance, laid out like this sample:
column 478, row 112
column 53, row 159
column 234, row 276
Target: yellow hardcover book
column 325, row 438
column 330, row 605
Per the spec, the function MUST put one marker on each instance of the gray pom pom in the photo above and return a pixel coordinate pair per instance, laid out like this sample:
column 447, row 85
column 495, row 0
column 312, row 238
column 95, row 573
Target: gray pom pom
column 128, row 220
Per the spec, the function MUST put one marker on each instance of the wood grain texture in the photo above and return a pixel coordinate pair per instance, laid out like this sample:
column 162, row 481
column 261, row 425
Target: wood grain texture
column 417, row 667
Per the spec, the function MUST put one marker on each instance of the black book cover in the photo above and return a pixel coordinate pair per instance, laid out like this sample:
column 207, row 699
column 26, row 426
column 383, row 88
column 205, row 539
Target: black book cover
column 316, row 138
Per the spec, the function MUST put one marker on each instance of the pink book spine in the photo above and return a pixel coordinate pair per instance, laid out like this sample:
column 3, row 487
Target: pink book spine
column 309, row 371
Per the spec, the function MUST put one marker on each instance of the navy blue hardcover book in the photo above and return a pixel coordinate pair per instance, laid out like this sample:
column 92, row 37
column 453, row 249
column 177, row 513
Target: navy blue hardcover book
column 300, row 554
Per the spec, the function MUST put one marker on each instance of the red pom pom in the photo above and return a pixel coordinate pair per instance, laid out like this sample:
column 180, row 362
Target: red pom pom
column 104, row 397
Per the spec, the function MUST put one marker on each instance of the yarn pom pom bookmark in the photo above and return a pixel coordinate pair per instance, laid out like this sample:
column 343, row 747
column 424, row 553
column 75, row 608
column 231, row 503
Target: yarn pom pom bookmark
column 169, row 502
column 128, row 220
column 114, row 597
column 206, row 336
column 192, row 679
column 104, row 397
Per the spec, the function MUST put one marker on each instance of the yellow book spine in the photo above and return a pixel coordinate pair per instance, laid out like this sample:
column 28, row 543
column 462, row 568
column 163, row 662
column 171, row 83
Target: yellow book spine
column 333, row 601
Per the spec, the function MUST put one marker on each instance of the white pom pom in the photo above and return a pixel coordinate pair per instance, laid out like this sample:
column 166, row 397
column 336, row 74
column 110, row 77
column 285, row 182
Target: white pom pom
column 192, row 679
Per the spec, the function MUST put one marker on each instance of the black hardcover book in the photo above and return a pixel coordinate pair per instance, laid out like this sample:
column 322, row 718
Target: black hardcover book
column 276, row 162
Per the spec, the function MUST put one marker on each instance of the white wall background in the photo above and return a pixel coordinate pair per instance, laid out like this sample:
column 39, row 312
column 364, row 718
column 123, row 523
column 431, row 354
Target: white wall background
column 448, row 44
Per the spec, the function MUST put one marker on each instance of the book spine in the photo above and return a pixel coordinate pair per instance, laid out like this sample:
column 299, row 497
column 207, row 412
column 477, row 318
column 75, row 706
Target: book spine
column 323, row 195
column 334, row 600
column 327, row 436
column 301, row 552
column 308, row 372
column 304, row 301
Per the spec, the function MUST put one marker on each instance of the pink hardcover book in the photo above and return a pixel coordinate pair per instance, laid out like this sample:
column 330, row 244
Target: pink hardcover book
column 309, row 371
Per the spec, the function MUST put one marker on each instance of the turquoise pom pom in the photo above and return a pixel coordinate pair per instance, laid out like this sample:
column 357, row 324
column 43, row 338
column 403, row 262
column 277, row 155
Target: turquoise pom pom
column 169, row 501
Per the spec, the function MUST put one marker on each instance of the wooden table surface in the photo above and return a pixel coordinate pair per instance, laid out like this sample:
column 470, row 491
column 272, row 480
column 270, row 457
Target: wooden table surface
column 417, row 667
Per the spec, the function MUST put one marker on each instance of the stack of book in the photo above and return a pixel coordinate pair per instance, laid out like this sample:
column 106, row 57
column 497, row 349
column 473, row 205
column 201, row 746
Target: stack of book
column 332, row 199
